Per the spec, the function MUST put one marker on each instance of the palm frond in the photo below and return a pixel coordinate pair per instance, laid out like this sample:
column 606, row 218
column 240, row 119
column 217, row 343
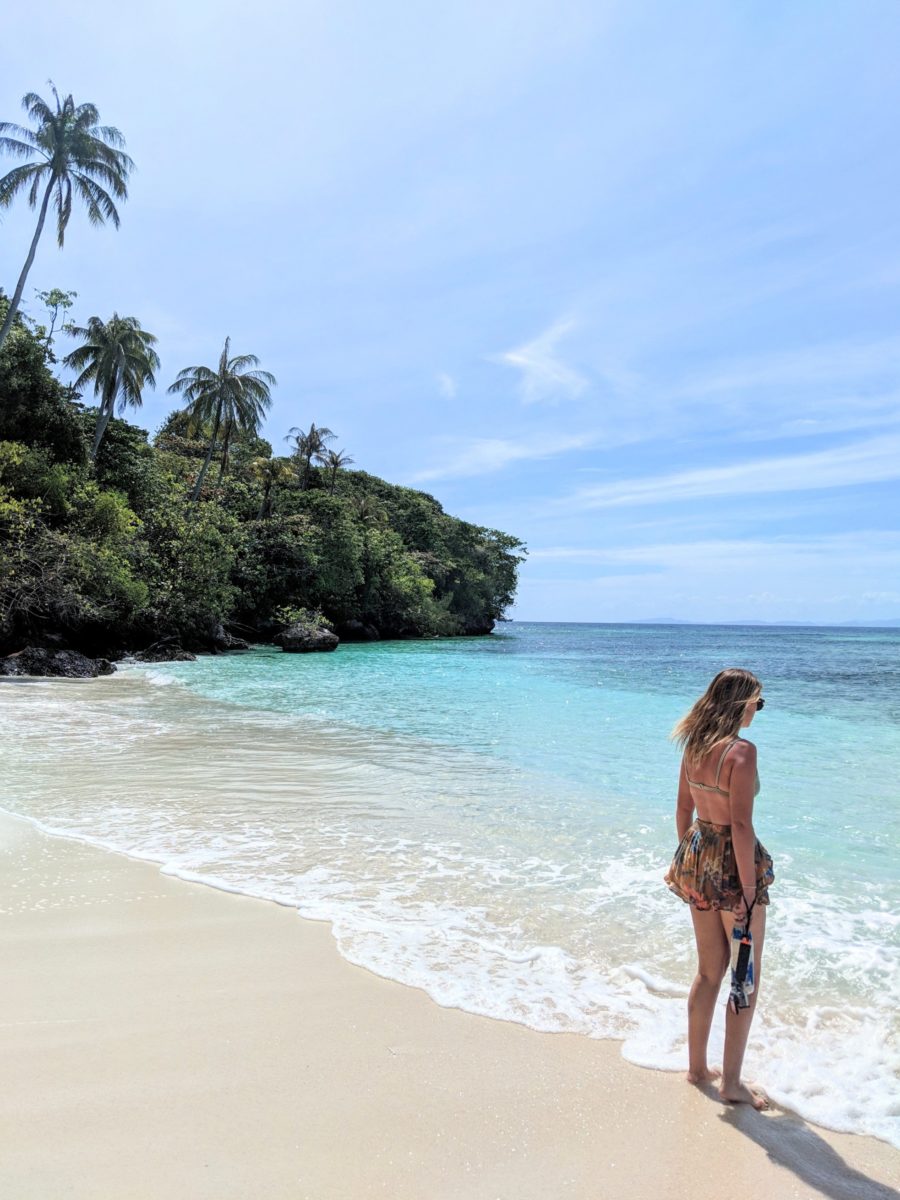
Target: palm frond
column 108, row 173
column 85, row 116
column 38, row 109
column 100, row 206
column 193, row 377
column 118, row 356
column 112, row 137
column 35, row 188
column 17, row 179
column 22, row 146
column 264, row 378
column 241, row 362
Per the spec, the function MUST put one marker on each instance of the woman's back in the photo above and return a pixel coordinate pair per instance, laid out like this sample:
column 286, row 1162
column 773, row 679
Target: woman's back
column 709, row 781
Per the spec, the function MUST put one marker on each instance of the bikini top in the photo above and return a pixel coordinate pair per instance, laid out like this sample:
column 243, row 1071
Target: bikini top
column 707, row 787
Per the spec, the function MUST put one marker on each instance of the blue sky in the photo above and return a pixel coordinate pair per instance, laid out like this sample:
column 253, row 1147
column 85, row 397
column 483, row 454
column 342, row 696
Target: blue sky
column 620, row 279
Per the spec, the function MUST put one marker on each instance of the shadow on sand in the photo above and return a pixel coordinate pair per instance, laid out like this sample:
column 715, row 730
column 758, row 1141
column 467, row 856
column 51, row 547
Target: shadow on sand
column 791, row 1143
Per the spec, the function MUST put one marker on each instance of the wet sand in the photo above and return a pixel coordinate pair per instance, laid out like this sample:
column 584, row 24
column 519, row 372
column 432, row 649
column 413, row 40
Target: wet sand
column 163, row 1039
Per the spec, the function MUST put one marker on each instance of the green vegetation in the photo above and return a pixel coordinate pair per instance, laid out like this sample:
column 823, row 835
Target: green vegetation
column 117, row 356
column 229, row 401
column 137, row 546
column 109, row 542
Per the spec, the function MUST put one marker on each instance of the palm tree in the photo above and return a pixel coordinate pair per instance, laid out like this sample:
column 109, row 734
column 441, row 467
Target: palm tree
column 308, row 444
column 368, row 511
column 333, row 460
column 119, row 357
column 75, row 153
column 233, row 398
column 269, row 472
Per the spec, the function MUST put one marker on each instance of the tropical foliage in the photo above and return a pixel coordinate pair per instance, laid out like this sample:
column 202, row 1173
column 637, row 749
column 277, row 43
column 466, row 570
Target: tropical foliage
column 118, row 358
column 231, row 400
column 109, row 541
column 309, row 446
column 108, row 554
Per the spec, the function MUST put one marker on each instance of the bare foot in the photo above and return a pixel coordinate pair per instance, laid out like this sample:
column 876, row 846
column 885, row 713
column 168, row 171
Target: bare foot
column 741, row 1094
column 707, row 1075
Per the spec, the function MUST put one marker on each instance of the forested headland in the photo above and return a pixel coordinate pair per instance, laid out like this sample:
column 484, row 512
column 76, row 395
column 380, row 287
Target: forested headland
column 123, row 551
column 202, row 537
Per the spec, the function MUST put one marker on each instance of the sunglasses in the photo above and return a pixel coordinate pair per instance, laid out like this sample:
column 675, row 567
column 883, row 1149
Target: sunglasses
column 760, row 704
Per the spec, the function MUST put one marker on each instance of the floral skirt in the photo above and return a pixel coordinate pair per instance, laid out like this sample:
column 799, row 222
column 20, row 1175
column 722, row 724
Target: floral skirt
column 704, row 872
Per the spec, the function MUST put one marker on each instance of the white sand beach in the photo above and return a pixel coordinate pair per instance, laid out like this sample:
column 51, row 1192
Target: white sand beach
column 164, row 1039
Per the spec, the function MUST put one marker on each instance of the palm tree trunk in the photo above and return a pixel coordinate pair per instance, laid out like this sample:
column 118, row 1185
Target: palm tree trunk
column 106, row 411
column 107, row 407
column 195, row 494
column 20, row 286
column 264, row 503
column 225, row 442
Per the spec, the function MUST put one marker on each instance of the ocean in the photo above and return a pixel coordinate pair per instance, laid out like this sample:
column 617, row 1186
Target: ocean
column 490, row 819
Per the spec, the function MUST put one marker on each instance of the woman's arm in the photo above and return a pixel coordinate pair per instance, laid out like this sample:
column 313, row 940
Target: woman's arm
column 684, row 806
column 742, row 788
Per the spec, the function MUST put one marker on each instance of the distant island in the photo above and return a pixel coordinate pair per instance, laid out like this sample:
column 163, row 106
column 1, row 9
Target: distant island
column 887, row 623
column 203, row 539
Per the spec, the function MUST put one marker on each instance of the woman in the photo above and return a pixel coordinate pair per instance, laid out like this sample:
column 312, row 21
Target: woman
column 719, row 868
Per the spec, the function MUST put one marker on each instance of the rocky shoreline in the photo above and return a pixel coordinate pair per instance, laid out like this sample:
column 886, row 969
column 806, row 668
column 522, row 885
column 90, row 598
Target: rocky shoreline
column 50, row 656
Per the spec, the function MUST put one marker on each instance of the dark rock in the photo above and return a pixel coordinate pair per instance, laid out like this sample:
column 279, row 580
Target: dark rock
column 222, row 640
column 356, row 631
column 479, row 630
column 36, row 660
column 164, row 654
column 303, row 638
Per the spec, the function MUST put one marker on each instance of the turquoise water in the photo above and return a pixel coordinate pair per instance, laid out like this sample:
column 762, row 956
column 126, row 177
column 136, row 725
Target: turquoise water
column 490, row 819
column 591, row 705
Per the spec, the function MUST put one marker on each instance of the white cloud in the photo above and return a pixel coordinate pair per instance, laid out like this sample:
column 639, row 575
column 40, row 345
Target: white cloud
column 830, row 387
column 871, row 461
column 447, row 385
column 544, row 376
column 482, row 456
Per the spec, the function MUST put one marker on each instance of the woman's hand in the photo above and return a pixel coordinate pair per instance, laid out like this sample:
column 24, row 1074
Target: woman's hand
column 742, row 908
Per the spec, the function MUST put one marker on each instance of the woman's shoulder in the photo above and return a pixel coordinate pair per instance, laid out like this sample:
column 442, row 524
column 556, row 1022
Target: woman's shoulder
column 743, row 751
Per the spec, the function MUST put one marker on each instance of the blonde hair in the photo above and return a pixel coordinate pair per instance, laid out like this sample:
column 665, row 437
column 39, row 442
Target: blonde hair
column 718, row 713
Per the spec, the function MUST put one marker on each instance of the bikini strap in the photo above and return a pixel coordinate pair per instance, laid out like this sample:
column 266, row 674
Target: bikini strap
column 722, row 759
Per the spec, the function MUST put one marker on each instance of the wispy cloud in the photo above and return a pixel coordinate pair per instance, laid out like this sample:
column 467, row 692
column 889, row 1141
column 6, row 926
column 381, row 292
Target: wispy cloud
column 485, row 455
column 861, row 547
column 826, row 577
column 544, row 376
column 833, row 387
column 870, row 461
column 844, row 414
column 446, row 385
column 809, row 366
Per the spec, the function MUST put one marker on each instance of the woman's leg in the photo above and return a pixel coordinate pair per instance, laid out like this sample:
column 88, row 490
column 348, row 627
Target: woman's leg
column 737, row 1025
column 712, row 961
